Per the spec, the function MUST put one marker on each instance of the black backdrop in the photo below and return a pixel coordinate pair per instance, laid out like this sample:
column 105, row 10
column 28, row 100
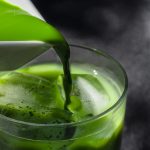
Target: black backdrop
column 122, row 28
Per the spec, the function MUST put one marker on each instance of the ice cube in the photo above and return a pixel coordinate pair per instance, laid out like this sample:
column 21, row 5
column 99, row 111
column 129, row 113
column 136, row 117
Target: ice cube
column 30, row 98
column 88, row 96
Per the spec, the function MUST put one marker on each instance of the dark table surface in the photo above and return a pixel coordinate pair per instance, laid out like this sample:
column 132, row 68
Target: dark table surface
column 121, row 28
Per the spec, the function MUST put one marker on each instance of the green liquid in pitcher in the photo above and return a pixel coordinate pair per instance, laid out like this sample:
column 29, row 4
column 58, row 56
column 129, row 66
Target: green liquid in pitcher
column 49, row 94
column 18, row 25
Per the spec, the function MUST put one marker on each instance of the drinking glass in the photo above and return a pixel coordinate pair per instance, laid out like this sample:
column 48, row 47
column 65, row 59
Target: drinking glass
column 100, row 132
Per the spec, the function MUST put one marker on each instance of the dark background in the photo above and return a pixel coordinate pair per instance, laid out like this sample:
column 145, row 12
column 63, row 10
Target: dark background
column 121, row 28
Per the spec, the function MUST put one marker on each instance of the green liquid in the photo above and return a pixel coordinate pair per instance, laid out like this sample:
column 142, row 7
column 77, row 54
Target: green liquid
column 42, row 102
column 18, row 25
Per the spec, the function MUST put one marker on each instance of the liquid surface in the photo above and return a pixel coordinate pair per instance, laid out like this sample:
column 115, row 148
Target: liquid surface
column 19, row 25
column 40, row 96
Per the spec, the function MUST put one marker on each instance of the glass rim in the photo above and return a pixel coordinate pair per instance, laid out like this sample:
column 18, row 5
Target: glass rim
column 120, row 99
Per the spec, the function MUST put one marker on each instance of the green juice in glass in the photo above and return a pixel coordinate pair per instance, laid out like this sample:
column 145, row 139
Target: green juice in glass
column 45, row 107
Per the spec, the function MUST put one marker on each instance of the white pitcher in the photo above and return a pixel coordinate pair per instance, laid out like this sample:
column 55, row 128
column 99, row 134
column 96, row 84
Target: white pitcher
column 10, row 49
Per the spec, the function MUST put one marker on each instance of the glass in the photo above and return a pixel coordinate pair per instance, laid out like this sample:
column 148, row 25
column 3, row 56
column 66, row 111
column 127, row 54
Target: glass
column 101, row 132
